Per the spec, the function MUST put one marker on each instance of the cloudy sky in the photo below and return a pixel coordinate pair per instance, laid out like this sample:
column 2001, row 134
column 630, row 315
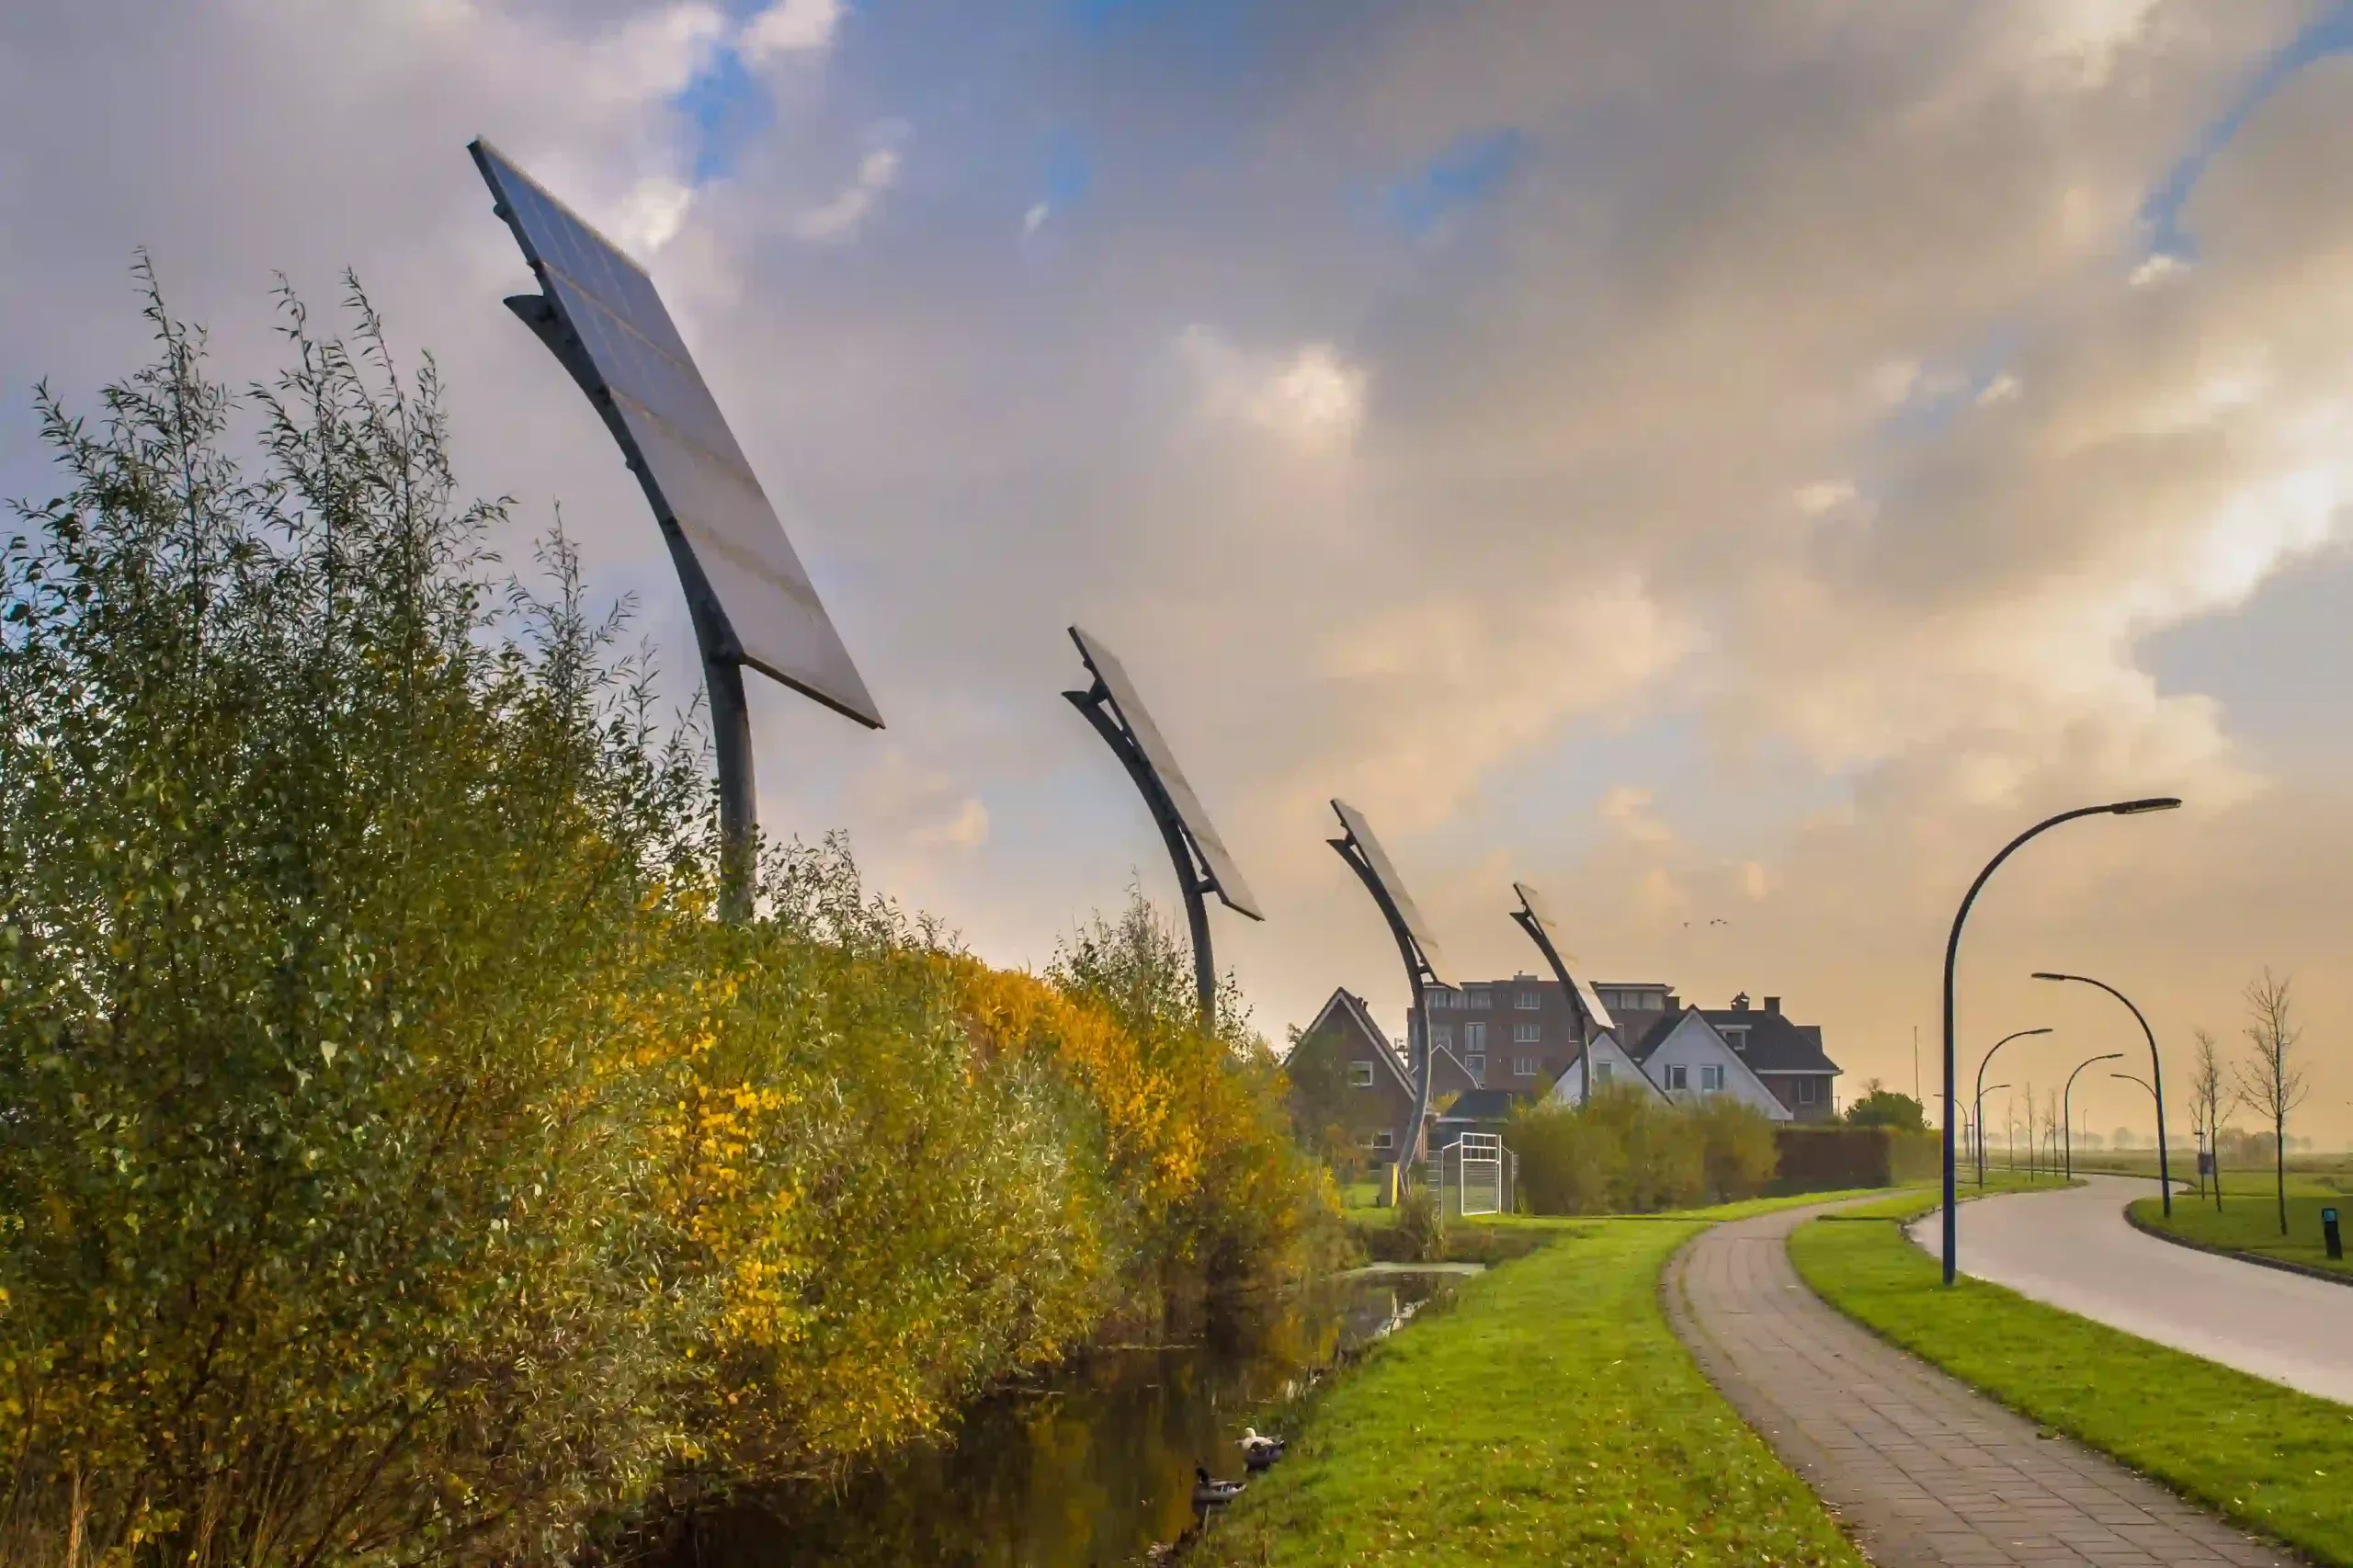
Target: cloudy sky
column 1732, row 466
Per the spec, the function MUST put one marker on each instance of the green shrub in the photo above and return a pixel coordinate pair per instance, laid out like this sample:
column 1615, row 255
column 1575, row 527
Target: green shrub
column 1737, row 1150
column 398, row 1160
column 1421, row 1225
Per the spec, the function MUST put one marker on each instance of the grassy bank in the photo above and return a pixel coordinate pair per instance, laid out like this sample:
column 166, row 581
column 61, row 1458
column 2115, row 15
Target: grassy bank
column 2271, row 1458
column 1550, row 1415
column 2249, row 1222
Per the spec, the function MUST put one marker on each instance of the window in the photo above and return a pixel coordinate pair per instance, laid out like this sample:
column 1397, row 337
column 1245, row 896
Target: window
column 1523, row 1066
column 1440, row 998
column 1385, row 1138
column 1442, row 1036
column 1528, row 1002
column 1807, row 1090
column 1735, row 1036
column 1712, row 1076
column 1360, row 1074
column 1679, row 1077
column 1600, row 1073
column 1477, row 997
column 1478, row 1065
column 1527, row 1034
column 1474, row 1036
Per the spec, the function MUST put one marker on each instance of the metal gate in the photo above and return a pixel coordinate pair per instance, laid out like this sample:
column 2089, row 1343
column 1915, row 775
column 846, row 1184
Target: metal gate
column 1477, row 1161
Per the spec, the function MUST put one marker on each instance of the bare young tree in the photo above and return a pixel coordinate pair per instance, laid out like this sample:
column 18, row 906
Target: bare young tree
column 2210, row 1103
column 2268, row 1086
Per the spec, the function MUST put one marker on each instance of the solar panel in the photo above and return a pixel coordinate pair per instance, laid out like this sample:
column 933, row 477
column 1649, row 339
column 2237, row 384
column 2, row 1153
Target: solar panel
column 1395, row 886
column 1223, row 875
column 1543, row 918
column 612, row 332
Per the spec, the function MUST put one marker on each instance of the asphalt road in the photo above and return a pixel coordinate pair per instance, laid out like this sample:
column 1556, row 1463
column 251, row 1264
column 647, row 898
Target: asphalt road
column 2073, row 1249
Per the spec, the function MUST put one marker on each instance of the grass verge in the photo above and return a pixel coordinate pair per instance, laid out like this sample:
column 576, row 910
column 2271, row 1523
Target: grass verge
column 2249, row 1224
column 2267, row 1456
column 1550, row 1415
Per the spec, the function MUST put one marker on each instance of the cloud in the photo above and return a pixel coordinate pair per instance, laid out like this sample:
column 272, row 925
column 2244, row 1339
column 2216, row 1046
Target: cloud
column 839, row 219
column 1673, row 473
column 791, row 27
column 1627, row 808
column 1311, row 396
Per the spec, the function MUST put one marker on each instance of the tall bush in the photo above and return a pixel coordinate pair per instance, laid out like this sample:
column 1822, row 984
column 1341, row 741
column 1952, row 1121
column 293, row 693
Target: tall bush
column 398, row 1163
column 1629, row 1153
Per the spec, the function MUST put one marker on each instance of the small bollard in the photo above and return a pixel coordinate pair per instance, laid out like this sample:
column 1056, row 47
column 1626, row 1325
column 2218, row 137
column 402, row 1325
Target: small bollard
column 2328, row 1232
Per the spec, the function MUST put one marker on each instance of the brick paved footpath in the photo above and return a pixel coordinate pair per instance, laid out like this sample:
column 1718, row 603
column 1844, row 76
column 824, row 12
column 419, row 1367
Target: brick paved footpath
column 1922, row 1470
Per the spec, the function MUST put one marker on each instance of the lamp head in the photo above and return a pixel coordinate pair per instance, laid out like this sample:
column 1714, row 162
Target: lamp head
column 2154, row 804
column 2046, row 974
column 2023, row 1033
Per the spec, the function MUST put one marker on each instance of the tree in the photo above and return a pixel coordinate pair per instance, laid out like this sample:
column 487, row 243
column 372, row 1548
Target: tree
column 2207, row 1110
column 1883, row 1107
column 2268, row 1086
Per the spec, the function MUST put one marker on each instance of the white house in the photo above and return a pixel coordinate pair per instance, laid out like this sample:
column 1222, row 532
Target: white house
column 1682, row 1057
column 1612, row 1065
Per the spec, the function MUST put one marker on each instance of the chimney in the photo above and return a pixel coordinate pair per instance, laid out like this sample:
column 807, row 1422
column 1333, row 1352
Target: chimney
column 1773, row 1006
column 1740, row 1003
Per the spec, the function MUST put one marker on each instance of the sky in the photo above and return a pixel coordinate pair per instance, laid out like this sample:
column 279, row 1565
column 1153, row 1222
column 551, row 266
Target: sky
column 1730, row 467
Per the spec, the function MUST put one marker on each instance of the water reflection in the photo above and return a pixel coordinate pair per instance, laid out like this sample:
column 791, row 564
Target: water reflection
column 1092, row 1467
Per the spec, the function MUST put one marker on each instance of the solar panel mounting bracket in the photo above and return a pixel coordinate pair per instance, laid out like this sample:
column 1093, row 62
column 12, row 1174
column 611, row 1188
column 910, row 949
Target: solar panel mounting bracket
column 1423, row 969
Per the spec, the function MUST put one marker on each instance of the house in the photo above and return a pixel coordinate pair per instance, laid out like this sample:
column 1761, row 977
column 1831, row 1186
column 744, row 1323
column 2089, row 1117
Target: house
column 1760, row 1057
column 1497, row 1044
column 1380, row 1090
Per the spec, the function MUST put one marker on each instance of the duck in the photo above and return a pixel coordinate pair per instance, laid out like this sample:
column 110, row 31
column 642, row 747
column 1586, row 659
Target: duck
column 1208, row 1494
column 1259, row 1450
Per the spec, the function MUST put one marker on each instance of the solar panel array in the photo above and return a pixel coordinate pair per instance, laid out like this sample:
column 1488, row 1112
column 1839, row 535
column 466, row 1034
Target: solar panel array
column 1550, row 932
column 1395, row 886
column 671, row 430
column 1224, row 877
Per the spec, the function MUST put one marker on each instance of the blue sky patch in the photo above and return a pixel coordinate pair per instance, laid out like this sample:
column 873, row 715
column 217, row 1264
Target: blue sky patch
column 1469, row 171
column 728, row 106
column 2329, row 34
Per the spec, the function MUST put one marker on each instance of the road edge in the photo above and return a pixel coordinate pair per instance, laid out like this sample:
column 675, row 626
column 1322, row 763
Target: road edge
column 2282, row 1263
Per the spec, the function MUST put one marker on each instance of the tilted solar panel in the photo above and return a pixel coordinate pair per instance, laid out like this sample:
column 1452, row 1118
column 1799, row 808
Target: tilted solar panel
column 1550, row 935
column 609, row 326
column 1395, row 886
column 1224, row 876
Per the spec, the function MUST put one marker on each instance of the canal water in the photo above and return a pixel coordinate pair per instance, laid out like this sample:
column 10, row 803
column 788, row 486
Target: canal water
column 1092, row 1466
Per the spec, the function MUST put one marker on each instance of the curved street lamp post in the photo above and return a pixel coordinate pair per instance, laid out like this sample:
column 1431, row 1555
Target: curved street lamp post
column 2066, row 1106
column 1977, row 1121
column 1980, row 1114
column 1952, row 956
column 2156, row 1074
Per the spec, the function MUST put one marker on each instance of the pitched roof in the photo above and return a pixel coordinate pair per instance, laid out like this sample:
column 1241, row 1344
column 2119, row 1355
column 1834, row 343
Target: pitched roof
column 1775, row 1044
column 1485, row 1105
column 1348, row 1010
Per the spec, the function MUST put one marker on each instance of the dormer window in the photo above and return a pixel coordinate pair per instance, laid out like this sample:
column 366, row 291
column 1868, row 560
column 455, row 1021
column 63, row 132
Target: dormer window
column 1735, row 1036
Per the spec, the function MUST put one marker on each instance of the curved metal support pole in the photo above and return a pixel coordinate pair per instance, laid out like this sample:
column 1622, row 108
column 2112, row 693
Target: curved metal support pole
column 730, row 733
column 1094, row 704
column 723, row 674
column 1535, row 930
column 1417, row 979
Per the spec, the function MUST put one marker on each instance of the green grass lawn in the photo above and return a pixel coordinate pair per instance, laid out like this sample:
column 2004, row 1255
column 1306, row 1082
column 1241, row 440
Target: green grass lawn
column 1549, row 1415
column 2274, row 1459
column 2248, row 1221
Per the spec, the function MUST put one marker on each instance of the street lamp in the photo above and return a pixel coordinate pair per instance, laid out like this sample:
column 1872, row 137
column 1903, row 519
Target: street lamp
column 2156, row 1072
column 2066, row 1112
column 1952, row 956
column 2135, row 1078
column 1981, row 1096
